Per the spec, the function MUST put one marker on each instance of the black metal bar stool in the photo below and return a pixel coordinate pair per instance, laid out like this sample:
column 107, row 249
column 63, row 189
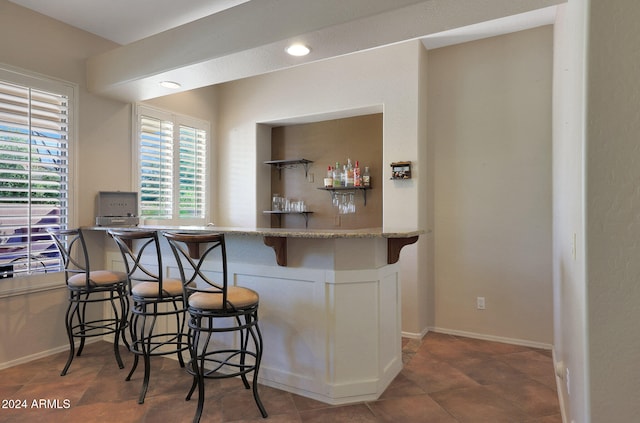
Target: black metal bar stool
column 153, row 296
column 214, row 308
column 86, row 287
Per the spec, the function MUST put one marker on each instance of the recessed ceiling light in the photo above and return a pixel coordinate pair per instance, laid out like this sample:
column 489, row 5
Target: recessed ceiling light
column 298, row 50
column 170, row 84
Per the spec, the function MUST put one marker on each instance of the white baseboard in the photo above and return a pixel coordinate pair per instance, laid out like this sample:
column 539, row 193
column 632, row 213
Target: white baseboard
column 504, row 340
column 559, row 390
column 412, row 335
column 41, row 354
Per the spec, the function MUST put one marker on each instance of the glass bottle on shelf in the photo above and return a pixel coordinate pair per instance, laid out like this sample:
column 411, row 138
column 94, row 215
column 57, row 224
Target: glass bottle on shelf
column 337, row 176
column 328, row 180
column 366, row 178
column 357, row 177
column 344, row 175
column 349, row 173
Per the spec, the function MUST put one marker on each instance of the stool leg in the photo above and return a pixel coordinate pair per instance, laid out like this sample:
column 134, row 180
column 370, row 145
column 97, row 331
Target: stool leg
column 116, row 335
column 136, row 357
column 193, row 362
column 124, row 322
column 133, row 324
column 180, row 329
column 71, row 310
column 194, row 384
column 145, row 382
column 82, row 320
column 244, row 341
column 200, row 380
column 199, row 368
column 254, row 330
column 145, row 343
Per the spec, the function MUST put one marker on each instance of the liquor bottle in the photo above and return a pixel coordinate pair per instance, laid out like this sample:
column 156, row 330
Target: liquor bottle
column 357, row 177
column 366, row 178
column 349, row 173
column 337, row 176
column 328, row 180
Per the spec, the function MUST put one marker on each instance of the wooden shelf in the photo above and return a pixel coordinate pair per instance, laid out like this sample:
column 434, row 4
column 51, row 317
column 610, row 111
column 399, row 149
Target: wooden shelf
column 280, row 213
column 289, row 164
column 333, row 191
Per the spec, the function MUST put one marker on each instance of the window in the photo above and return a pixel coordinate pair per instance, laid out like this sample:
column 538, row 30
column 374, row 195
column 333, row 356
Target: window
column 35, row 136
column 172, row 166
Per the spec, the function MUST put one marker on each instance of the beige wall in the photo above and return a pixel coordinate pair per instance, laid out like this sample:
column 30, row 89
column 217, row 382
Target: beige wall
column 490, row 123
column 201, row 104
column 612, row 172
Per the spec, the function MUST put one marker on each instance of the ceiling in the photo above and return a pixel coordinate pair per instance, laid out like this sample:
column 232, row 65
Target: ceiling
column 215, row 41
column 126, row 21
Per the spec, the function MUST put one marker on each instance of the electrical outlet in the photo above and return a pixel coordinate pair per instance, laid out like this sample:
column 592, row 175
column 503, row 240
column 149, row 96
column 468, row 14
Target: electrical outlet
column 480, row 303
column 560, row 369
column 310, row 177
column 336, row 220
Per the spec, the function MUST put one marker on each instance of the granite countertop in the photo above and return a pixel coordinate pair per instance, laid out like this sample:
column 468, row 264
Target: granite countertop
column 281, row 232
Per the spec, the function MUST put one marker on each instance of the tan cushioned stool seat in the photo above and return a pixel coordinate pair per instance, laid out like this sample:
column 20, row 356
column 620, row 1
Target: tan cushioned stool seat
column 98, row 278
column 238, row 296
column 170, row 287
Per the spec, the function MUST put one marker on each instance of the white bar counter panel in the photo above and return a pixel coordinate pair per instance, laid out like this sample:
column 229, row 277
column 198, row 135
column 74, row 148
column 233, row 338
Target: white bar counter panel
column 329, row 316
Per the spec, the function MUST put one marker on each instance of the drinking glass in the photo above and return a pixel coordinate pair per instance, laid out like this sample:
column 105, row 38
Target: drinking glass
column 276, row 202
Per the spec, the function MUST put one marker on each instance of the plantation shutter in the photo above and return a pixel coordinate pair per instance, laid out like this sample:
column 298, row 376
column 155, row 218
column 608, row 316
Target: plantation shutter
column 192, row 169
column 156, row 167
column 34, row 182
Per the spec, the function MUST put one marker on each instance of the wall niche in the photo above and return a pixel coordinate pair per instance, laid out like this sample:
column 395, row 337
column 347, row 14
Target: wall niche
column 325, row 143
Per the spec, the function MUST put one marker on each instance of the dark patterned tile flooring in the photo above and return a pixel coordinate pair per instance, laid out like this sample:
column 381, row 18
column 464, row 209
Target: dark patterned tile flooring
column 446, row 379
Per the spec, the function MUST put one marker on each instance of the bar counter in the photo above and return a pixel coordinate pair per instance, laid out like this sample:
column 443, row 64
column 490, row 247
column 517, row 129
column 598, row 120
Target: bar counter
column 330, row 304
column 277, row 237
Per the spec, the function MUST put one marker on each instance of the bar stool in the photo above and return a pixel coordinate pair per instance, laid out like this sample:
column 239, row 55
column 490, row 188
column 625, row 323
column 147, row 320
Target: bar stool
column 234, row 310
column 152, row 296
column 86, row 287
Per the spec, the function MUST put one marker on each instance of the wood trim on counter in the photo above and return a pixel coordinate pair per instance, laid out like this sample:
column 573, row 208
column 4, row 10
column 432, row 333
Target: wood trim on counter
column 279, row 245
column 394, row 245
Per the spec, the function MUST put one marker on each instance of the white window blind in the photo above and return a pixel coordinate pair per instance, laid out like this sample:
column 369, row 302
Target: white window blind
column 156, row 167
column 34, row 177
column 192, row 171
column 172, row 165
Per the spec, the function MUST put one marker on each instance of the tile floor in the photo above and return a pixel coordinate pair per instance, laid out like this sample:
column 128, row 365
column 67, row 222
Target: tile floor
column 445, row 379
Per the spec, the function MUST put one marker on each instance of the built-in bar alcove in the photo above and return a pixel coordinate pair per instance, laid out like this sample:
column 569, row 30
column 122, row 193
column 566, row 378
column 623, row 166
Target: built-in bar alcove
column 324, row 143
